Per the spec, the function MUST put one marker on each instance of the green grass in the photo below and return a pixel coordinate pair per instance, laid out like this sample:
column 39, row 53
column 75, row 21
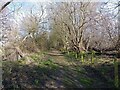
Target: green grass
column 55, row 69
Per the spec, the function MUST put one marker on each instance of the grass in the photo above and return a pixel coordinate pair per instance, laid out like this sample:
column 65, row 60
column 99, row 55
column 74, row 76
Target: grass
column 58, row 71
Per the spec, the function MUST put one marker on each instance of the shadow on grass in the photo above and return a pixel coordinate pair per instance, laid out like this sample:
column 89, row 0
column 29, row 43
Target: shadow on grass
column 45, row 75
column 101, row 72
column 50, row 75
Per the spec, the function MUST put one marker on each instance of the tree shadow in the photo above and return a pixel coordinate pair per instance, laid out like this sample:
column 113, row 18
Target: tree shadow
column 29, row 76
column 51, row 75
column 101, row 72
column 34, row 76
column 104, row 74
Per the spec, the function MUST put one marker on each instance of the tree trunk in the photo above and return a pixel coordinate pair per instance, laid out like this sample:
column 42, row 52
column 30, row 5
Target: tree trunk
column 81, row 47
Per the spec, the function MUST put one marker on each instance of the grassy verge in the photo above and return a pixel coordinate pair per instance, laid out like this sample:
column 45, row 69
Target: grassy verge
column 50, row 72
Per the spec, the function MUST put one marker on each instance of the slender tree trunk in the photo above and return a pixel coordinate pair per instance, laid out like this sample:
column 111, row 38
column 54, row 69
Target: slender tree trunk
column 81, row 46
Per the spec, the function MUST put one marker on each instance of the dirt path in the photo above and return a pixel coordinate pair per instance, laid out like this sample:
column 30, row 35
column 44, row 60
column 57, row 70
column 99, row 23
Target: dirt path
column 59, row 58
column 55, row 53
column 92, row 72
column 54, row 71
column 63, row 73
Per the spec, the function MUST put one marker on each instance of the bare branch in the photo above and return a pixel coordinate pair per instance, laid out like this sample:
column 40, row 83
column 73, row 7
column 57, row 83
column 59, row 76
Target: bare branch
column 5, row 5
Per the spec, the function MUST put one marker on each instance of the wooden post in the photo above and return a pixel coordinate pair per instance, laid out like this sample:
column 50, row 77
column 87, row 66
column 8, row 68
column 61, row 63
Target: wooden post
column 82, row 56
column 76, row 55
column 92, row 57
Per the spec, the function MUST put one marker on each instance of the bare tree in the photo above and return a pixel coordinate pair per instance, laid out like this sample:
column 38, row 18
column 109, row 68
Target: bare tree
column 32, row 25
column 73, row 21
